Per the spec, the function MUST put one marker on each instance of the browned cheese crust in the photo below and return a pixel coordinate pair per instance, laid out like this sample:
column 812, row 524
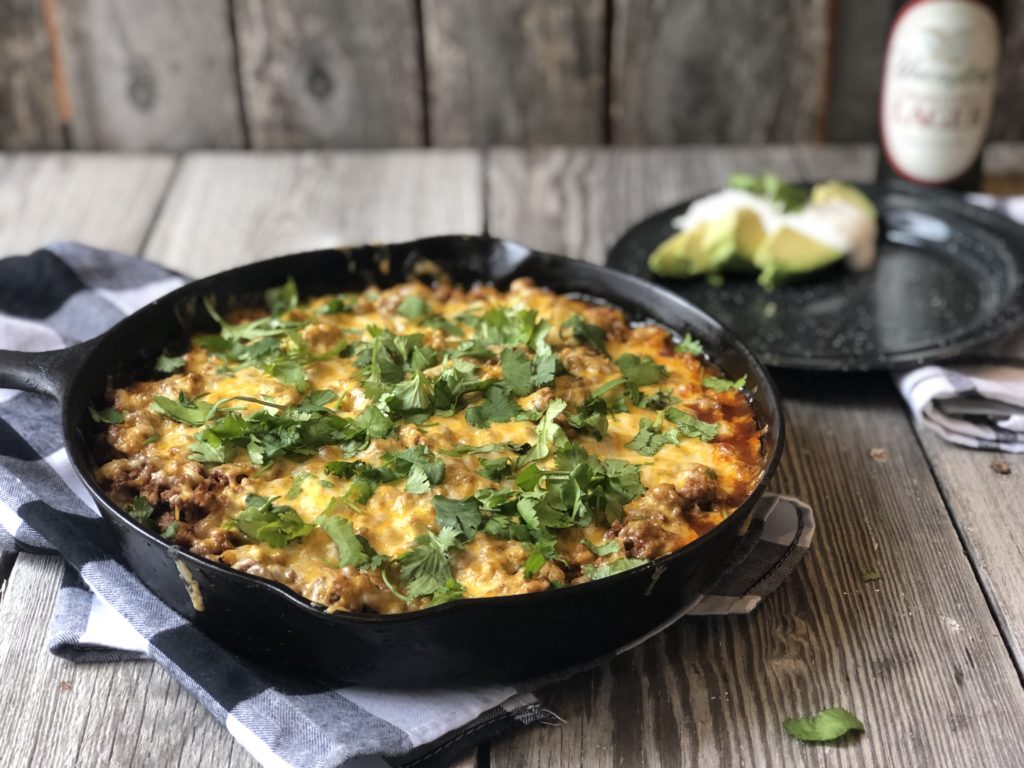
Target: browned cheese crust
column 572, row 489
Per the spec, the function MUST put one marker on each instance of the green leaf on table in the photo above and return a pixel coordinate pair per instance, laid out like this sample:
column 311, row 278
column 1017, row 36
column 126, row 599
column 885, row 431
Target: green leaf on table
column 827, row 725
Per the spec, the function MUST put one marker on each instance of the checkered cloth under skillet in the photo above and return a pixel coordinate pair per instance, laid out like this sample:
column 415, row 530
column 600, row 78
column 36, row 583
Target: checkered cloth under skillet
column 68, row 293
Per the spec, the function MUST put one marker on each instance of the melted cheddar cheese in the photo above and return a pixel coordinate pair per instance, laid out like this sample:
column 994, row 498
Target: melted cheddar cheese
column 517, row 441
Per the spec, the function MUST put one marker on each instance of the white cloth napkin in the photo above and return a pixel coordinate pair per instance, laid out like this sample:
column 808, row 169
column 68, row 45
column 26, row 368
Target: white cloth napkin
column 977, row 406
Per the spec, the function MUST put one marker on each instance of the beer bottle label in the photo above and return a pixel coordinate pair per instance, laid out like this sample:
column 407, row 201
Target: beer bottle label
column 938, row 84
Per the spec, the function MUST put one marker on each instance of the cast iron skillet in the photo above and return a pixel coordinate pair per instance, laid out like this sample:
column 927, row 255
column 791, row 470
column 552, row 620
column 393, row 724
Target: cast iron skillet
column 465, row 642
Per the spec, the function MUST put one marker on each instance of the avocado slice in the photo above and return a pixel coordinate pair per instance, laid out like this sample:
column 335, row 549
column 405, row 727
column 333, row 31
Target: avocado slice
column 837, row 192
column 702, row 249
column 788, row 251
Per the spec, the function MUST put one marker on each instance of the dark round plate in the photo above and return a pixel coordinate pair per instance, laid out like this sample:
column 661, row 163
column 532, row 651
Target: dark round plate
column 949, row 277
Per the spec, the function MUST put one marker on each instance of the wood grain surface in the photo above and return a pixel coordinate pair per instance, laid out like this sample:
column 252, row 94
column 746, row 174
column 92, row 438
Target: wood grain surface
column 515, row 72
column 150, row 74
column 28, row 101
column 230, row 209
column 699, row 71
column 321, row 73
column 916, row 655
column 103, row 201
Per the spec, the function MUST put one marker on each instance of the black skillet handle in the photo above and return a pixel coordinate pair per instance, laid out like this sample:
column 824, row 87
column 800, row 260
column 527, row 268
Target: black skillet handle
column 45, row 373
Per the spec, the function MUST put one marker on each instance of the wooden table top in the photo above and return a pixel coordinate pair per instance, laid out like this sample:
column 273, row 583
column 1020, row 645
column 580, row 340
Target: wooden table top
column 929, row 657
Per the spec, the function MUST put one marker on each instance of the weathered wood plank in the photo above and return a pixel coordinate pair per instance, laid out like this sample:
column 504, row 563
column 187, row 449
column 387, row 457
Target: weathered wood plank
column 319, row 73
column 151, row 74
column 750, row 70
column 917, row 655
column 986, row 505
column 28, row 102
column 103, row 201
column 107, row 202
column 523, row 72
column 230, row 209
column 124, row 714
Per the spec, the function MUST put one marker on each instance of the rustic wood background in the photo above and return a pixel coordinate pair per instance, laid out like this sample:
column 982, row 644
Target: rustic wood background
column 180, row 74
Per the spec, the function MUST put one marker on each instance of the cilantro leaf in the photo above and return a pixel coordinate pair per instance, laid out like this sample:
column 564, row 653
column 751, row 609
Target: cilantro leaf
column 601, row 550
column 724, row 385
column 595, row 572
column 413, row 307
column 460, row 450
column 282, row 298
column 451, row 590
column 650, row 439
column 518, row 371
column 296, row 489
column 272, row 524
column 586, row 333
column 691, row 426
column 139, row 509
column 425, row 569
column 167, row 364
column 107, row 416
column 191, row 412
column 498, row 406
column 496, row 469
column 690, row 346
column 446, row 326
column 461, row 515
column 404, row 463
column 344, row 302
column 640, row 371
column 548, row 433
column 418, row 481
column 171, row 530
column 827, row 725
column 352, row 549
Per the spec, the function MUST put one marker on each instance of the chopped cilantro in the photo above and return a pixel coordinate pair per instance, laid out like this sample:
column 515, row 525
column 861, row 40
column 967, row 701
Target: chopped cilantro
column 296, row 489
column 413, row 307
column 650, row 439
column 691, row 426
column 595, row 572
column 272, row 524
column 425, row 569
column 602, row 550
column 548, row 433
column 586, row 333
column 640, row 371
column 352, row 550
column 462, row 515
column 166, row 364
column 724, row 385
column 107, row 416
column 139, row 509
column 496, row 469
column 171, row 530
column 446, row 326
column 459, row 450
column 690, row 346
column 282, row 298
column 191, row 412
column 498, row 406
column 827, row 725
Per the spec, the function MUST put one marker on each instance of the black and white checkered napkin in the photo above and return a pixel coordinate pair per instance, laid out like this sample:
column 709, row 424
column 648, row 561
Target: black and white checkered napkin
column 68, row 293
column 977, row 406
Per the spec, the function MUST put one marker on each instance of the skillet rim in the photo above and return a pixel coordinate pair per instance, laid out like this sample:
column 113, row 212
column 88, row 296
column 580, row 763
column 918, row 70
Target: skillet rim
column 727, row 340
